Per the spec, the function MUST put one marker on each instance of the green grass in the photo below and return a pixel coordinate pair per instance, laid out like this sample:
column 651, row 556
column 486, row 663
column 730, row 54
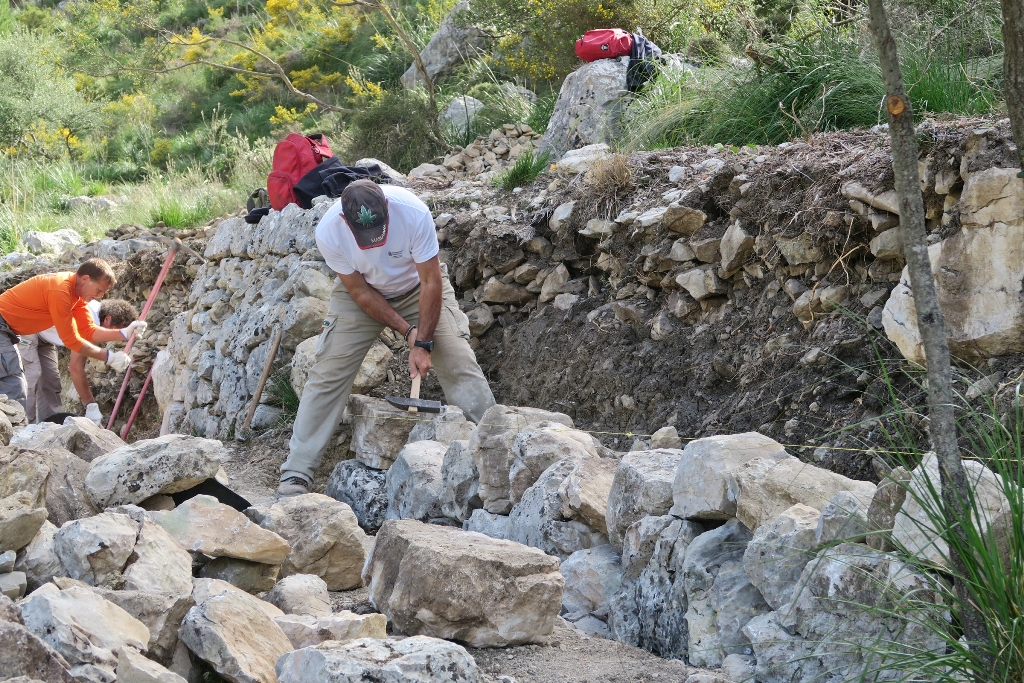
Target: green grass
column 523, row 172
column 282, row 394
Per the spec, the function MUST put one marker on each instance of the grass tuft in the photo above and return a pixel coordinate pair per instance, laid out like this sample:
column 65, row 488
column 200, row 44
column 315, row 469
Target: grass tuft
column 524, row 171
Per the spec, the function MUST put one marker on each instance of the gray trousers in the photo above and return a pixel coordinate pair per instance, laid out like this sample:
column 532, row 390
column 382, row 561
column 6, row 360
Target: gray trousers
column 12, row 375
column 347, row 336
column 39, row 359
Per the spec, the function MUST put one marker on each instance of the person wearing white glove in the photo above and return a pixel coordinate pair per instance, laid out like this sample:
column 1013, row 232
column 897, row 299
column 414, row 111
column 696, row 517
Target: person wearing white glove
column 118, row 360
column 92, row 412
column 138, row 328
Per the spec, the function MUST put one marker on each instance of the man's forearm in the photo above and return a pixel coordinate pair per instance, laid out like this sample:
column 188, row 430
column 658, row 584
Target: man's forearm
column 378, row 308
column 76, row 368
column 93, row 351
column 430, row 309
column 107, row 334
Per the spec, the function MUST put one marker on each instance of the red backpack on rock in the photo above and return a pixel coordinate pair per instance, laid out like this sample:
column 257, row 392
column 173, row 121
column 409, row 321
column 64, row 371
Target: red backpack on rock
column 294, row 157
column 604, row 43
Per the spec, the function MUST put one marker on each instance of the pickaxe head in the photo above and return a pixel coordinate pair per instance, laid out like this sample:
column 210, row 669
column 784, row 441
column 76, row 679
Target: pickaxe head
column 174, row 243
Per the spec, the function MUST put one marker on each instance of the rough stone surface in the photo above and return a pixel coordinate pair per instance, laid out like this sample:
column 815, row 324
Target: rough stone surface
column 844, row 518
column 56, row 242
column 592, row 576
column 159, row 563
column 19, row 520
column 448, row 426
column 65, row 494
column 506, row 594
column 704, row 486
column 720, row 597
column 82, row 626
column 419, row 659
column 362, row 488
column 235, row 637
column 38, row 560
column 491, row 447
column 167, row 464
column 134, row 668
column 415, row 484
column 460, row 482
column 642, row 487
column 538, row 521
column 251, row 577
column 203, row 589
column 13, row 585
column 307, row 630
column 589, row 106
column 488, row 524
column 453, row 43
column 776, row 556
column 649, row 609
column 204, row 525
column 460, row 113
column 585, row 492
column 376, row 440
column 20, row 472
column 538, row 447
column 22, row 653
column 914, row 531
column 765, row 488
column 325, row 539
column 302, row 594
column 885, row 505
column 96, row 549
column 160, row 612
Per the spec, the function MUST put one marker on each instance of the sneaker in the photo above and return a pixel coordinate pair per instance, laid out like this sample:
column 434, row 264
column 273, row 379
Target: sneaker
column 292, row 486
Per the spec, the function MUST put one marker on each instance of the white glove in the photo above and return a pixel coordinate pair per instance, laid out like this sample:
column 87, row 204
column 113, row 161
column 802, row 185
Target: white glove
column 92, row 412
column 138, row 327
column 73, row 394
column 119, row 360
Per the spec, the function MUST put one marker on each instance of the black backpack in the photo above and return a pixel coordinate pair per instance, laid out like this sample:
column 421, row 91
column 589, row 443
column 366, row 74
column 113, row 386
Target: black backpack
column 330, row 177
column 643, row 62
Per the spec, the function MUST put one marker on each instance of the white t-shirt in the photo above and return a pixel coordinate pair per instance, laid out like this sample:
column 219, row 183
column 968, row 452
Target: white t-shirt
column 391, row 267
column 50, row 335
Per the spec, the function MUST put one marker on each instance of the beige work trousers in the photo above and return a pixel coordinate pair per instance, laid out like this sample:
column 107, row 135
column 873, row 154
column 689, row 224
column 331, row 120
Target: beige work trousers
column 39, row 358
column 347, row 336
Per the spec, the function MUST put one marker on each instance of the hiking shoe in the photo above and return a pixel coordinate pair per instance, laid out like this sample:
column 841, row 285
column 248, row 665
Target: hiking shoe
column 292, row 486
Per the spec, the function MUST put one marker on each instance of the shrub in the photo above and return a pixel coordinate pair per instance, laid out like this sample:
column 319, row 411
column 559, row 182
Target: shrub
column 523, row 172
column 399, row 128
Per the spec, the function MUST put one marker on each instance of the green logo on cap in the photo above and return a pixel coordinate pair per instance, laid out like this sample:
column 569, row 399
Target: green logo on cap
column 366, row 217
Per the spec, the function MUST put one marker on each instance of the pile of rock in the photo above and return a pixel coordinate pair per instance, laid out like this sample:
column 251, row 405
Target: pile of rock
column 484, row 157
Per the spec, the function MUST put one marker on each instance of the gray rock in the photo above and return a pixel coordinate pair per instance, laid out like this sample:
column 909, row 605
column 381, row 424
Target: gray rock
column 739, row 668
column 38, row 560
column 56, row 242
column 158, row 562
column 160, row 612
column 589, row 107
column 585, row 492
column 460, row 482
column 362, row 488
column 9, row 611
column 251, row 577
column 307, row 631
column 13, row 584
column 776, row 556
column 491, row 447
column 483, row 522
column 538, row 447
column 96, row 549
column 167, row 464
column 507, row 593
column 415, row 485
column 592, row 576
column 649, row 610
column 450, row 425
column 19, row 520
column 453, row 43
column 537, row 519
column 419, row 659
column 642, row 487
column 844, row 518
column 22, row 653
column 134, row 668
column 639, row 542
column 377, row 436
column 885, row 505
column 460, row 114
column 303, row 594
column 7, row 559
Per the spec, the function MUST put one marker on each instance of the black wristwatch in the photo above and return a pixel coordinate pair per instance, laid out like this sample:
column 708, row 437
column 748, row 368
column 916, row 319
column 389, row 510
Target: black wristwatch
column 428, row 345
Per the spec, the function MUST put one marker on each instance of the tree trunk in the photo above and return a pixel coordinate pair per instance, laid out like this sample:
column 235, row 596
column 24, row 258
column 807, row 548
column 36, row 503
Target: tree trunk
column 930, row 321
column 1013, row 70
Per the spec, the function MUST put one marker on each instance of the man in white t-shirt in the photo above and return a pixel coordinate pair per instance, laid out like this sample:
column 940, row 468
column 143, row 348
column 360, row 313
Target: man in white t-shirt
column 381, row 242
column 39, row 356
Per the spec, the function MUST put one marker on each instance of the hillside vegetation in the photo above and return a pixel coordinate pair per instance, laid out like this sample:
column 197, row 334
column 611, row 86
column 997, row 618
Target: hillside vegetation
column 171, row 108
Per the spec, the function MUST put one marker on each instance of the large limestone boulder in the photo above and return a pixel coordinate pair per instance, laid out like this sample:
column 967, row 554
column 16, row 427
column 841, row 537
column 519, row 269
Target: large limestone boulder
column 915, row 531
column 301, row 594
column 362, row 488
column 978, row 271
column 167, row 464
column 20, row 519
column 235, row 637
column 460, row 113
column 776, row 556
column 158, row 562
column 592, row 576
column 585, row 492
column 721, row 599
column 251, row 577
column 22, row 653
column 445, row 427
column 96, row 549
column 65, row 494
column 649, row 609
column 505, row 593
column 538, row 521
column 379, row 430
column 538, row 447
column 460, row 482
column 325, row 538
column 415, row 484
column 204, row 525
column 78, row 435
column 160, row 612
column 83, row 627
column 204, row 589
column 454, row 42
column 56, row 242
column 38, row 560
column 766, row 488
column 642, row 487
column 134, row 668
column 419, row 659
column 589, row 107
column 21, row 473
column 704, row 486
column 305, row 630
column 491, row 446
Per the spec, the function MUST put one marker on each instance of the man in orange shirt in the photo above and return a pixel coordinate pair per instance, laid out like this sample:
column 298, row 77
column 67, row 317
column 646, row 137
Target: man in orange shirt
column 58, row 300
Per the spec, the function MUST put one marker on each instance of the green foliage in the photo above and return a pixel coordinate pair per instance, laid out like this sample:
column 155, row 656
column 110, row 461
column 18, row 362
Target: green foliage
column 542, row 111
column 282, row 394
column 6, row 19
column 523, row 172
column 399, row 128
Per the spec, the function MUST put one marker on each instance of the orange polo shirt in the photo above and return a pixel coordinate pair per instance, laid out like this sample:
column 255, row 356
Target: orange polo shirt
column 46, row 301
